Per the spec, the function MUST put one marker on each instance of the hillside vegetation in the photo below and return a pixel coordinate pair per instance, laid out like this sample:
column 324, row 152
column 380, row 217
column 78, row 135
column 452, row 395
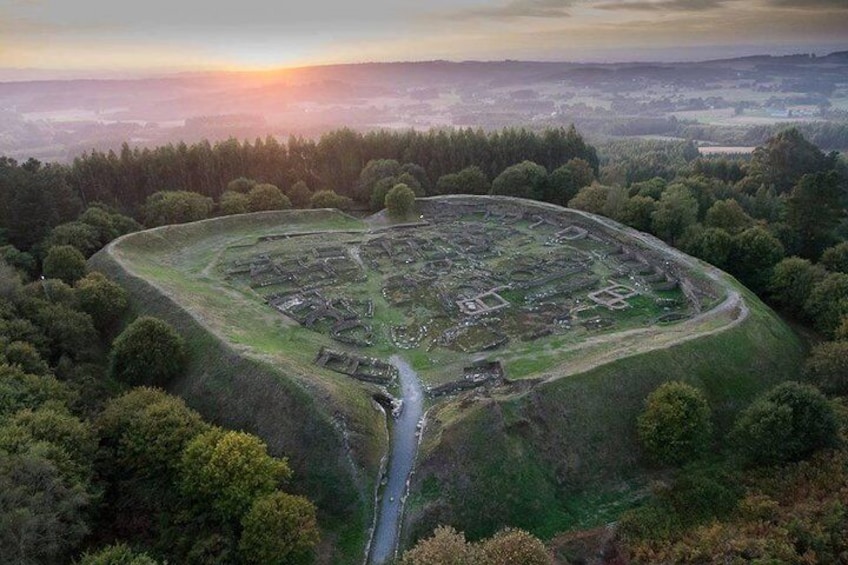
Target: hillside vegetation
column 558, row 455
column 333, row 446
column 565, row 455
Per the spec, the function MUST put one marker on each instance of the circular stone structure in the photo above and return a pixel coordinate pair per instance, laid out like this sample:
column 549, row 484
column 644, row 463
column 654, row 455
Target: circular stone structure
column 295, row 316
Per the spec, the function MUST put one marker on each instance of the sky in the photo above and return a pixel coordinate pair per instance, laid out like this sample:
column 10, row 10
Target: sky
column 90, row 36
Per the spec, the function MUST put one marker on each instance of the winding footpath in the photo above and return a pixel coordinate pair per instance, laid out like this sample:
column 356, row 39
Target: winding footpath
column 404, row 444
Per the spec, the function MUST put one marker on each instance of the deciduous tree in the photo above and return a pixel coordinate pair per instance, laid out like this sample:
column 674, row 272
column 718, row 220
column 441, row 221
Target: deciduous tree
column 64, row 262
column 267, row 197
column 400, row 201
column 788, row 423
column 279, row 529
column 228, row 471
column 148, row 352
column 675, row 425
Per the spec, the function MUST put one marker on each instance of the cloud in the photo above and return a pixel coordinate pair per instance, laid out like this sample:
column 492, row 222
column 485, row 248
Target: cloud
column 519, row 9
column 666, row 5
column 808, row 4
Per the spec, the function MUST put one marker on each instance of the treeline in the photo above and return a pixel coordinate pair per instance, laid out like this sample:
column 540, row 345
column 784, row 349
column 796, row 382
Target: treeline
column 334, row 162
column 830, row 135
column 775, row 221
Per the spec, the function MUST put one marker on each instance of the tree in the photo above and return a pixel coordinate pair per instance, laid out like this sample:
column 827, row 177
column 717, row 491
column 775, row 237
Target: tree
column 423, row 181
column 400, row 201
column 412, row 182
column 827, row 367
column 675, row 425
column 24, row 355
column 637, row 212
column 144, row 432
column 100, row 298
column 788, row 423
column 329, row 199
column 176, row 207
column 784, row 159
column 712, row 245
column 233, row 202
column 828, row 303
column 20, row 390
column 148, row 352
column 108, row 223
column 650, row 188
column 835, row 259
column 279, row 529
column 267, row 197
column 299, row 195
column 755, row 253
column 582, row 173
column 241, row 185
column 64, row 262
column 33, row 200
column 523, row 180
column 677, row 209
column 72, row 442
column 515, row 546
column 445, row 547
column 69, row 333
column 374, row 171
column 379, row 192
column 560, row 187
column 472, row 180
column 42, row 513
column 591, row 199
column 117, row 554
column 228, row 471
column 729, row 216
column 85, row 238
column 792, row 282
column 813, row 210
column 448, row 184
column 22, row 261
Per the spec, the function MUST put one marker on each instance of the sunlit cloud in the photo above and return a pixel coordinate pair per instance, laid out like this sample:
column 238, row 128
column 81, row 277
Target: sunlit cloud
column 810, row 4
column 518, row 9
column 676, row 5
column 260, row 34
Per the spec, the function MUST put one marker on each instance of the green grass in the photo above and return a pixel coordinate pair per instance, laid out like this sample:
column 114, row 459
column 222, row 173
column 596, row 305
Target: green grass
column 557, row 456
column 572, row 441
column 272, row 391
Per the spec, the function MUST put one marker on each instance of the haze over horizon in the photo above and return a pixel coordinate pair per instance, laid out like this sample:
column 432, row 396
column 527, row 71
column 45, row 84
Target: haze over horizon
column 91, row 38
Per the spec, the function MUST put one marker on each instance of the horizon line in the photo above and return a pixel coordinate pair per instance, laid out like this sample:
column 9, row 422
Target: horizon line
column 164, row 73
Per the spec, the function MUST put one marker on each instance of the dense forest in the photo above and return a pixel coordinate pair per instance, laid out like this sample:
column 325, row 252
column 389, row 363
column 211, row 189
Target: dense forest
column 100, row 466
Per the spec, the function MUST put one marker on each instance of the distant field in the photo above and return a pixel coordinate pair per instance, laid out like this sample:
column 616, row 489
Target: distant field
column 726, row 150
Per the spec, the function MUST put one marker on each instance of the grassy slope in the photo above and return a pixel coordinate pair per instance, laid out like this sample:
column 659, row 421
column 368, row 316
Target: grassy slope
column 559, row 456
column 564, row 455
column 242, row 389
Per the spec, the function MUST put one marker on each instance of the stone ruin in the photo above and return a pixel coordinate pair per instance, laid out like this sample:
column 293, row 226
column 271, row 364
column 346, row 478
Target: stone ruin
column 481, row 373
column 484, row 303
column 339, row 317
column 367, row 369
column 472, row 277
column 613, row 297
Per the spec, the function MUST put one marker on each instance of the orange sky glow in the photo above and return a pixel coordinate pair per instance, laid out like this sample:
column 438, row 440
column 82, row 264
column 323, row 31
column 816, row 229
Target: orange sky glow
column 88, row 36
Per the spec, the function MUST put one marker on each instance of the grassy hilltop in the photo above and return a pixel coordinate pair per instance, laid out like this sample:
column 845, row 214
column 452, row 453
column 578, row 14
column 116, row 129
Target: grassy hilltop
column 544, row 452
